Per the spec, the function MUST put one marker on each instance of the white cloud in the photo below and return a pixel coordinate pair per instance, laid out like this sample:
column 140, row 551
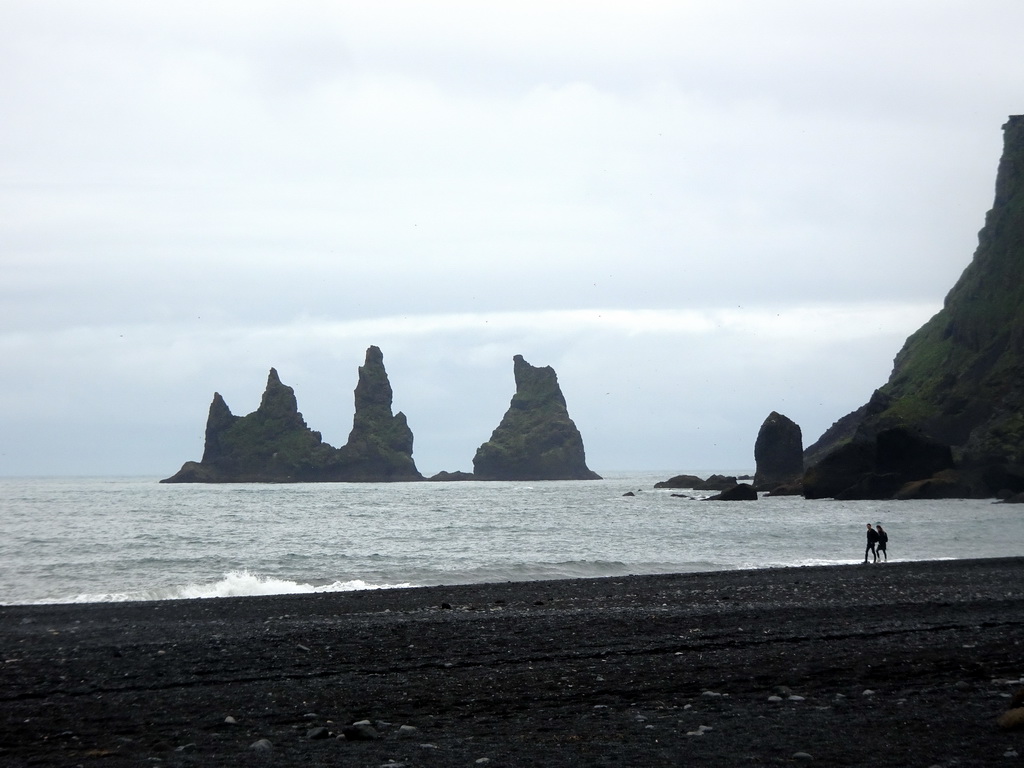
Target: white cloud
column 759, row 197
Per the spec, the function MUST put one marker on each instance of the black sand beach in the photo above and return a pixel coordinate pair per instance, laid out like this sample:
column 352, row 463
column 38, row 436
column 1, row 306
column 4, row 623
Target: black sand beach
column 902, row 664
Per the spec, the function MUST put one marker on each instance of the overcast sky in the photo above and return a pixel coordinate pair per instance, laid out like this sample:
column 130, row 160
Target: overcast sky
column 696, row 212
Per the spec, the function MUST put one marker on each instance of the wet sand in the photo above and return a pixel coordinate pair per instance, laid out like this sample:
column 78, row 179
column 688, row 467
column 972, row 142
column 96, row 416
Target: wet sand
column 891, row 664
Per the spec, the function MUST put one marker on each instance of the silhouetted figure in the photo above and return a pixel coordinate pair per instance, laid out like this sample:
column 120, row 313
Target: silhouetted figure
column 872, row 542
column 883, row 539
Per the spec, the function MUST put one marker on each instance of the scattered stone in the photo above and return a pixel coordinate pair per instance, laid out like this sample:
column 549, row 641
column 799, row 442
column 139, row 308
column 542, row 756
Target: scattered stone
column 802, row 756
column 361, row 731
column 407, row 730
column 317, row 733
column 230, row 720
column 774, row 698
column 868, row 692
column 262, row 745
column 1012, row 719
column 794, row 697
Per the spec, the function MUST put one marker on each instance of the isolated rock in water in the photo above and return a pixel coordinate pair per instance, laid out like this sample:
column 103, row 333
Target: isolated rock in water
column 536, row 439
column 695, row 483
column 274, row 445
column 680, row 481
column 739, row 492
column 716, row 483
column 778, row 453
column 959, row 379
column 445, row 476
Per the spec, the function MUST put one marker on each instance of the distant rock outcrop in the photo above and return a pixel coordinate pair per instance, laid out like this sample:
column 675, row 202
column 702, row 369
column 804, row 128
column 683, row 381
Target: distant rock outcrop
column 451, row 477
column 739, row 492
column 959, row 380
column 274, row 445
column 778, row 453
column 536, row 439
column 695, row 483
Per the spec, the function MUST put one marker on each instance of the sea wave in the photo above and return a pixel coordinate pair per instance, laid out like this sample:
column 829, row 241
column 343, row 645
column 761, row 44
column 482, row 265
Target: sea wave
column 242, row 583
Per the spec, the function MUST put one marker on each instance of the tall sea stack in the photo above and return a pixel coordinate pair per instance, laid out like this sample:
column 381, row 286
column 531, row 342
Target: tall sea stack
column 959, row 380
column 379, row 447
column 273, row 444
column 536, row 439
column 778, row 453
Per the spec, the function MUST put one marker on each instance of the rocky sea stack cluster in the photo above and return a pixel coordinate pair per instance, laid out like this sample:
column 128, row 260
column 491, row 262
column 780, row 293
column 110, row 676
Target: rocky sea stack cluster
column 535, row 441
column 274, row 445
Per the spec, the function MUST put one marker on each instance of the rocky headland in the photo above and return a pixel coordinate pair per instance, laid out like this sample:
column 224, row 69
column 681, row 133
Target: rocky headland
column 950, row 420
column 536, row 439
column 273, row 444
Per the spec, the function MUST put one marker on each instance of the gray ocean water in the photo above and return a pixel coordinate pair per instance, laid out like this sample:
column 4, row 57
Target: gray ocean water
column 108, row 539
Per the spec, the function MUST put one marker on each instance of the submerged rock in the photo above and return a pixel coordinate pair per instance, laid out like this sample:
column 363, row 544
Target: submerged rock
column 536, row 439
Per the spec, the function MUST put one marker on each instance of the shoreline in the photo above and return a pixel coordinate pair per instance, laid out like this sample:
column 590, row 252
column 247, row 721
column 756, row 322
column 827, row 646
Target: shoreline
column 904, row 663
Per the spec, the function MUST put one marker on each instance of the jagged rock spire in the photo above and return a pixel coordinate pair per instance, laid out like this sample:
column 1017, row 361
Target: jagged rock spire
column 536, row 439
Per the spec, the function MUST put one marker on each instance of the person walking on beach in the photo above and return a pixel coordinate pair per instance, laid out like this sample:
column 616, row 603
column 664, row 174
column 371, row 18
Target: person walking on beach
column 872, row 541
column 883, row 538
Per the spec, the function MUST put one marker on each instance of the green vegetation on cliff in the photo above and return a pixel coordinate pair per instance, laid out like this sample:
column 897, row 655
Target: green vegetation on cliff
column 960, row 378
column 536, row 439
